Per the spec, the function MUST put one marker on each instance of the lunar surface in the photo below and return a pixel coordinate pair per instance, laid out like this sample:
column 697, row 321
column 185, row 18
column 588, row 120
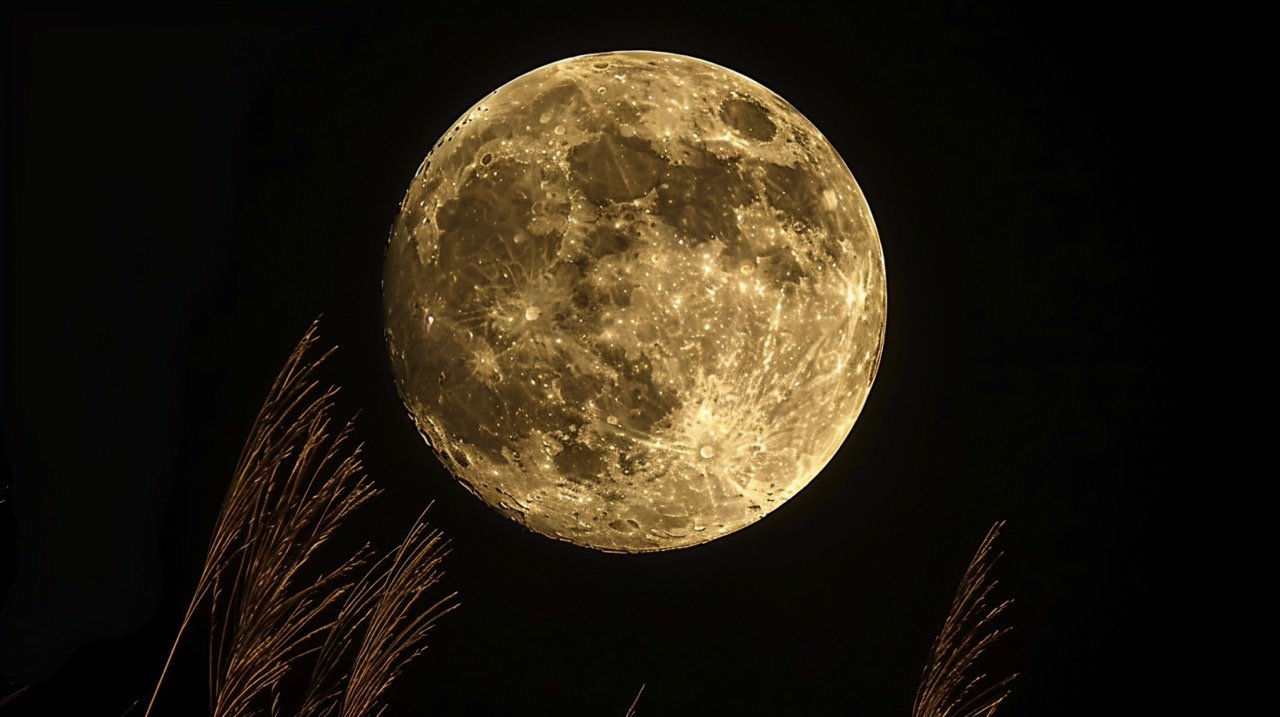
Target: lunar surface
column 634, row 300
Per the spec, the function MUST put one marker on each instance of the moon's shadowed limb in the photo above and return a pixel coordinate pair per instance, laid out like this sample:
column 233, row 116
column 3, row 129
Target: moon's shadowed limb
column 634, row 300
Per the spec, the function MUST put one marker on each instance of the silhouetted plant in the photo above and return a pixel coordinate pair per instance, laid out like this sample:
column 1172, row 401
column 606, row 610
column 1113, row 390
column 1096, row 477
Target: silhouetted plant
column 952, row 684
column 361, row 622
column 631, row 711
column 9, row 693
column 295, row 483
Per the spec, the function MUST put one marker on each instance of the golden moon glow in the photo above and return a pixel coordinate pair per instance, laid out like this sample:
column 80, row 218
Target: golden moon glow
column 634, row 300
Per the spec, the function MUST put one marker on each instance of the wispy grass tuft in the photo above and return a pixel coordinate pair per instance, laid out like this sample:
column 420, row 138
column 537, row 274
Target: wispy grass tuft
column 297, row 480
column 301, row 485
column 388, row 610
column 953, row 684
column 9, row 693
column 631, row 711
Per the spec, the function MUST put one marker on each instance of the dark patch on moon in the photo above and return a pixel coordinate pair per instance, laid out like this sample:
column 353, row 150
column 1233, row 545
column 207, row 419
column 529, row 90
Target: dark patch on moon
column 780, row 267
column 748, row 119
column 613, row 168
column 699, row 197
column 795, row 191
column 643, row 405
column 607, row 241
column 488, row 210
column 582, row 463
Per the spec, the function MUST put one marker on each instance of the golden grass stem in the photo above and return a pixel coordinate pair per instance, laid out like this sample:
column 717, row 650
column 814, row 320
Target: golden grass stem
column 13, row 694
column 631, row 711
column 296, row 482
column 952, row 684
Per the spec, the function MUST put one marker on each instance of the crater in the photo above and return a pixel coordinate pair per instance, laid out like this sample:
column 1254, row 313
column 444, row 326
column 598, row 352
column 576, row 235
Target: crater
column 625, row 526
column 748, row 119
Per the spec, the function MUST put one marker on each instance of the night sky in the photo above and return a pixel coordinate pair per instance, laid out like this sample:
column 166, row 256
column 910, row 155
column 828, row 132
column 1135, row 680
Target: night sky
column 184, row 191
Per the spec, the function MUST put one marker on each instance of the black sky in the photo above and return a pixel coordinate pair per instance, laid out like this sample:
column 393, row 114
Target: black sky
column 186, row 190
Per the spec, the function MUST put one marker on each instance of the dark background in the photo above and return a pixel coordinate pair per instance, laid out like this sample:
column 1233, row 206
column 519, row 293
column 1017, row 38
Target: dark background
column 186, row 190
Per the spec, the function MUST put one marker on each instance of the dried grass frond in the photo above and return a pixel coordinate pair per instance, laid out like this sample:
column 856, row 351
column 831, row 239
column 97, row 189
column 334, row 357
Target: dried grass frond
column 631, row 711
column 291, row 487
column 398, row 618
column 296, row 481
column 294, row 484
column 380, row 626
column 952, row 685
column 10, row 693
column 305, row 484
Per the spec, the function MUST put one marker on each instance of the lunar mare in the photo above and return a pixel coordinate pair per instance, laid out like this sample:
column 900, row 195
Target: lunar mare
column 634, row 300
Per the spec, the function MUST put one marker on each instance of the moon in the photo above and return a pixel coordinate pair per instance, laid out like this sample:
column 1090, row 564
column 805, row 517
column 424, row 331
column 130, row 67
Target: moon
column 634, row 300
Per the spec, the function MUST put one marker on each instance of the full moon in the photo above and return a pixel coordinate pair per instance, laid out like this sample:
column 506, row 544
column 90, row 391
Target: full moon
column 634, row 300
